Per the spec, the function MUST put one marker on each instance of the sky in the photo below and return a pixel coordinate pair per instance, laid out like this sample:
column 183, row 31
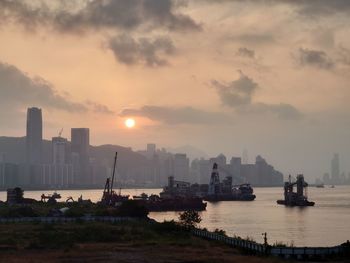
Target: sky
column 267, row 76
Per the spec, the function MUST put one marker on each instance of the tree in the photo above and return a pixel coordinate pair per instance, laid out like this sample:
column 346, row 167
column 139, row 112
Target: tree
column 190, row 218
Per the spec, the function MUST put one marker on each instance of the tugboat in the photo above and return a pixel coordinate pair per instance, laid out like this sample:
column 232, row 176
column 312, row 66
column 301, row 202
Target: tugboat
column 298, row 198
column 224, row 191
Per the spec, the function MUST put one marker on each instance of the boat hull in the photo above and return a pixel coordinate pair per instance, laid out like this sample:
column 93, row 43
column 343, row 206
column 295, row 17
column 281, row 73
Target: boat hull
column 304, row 203
column 218, row 198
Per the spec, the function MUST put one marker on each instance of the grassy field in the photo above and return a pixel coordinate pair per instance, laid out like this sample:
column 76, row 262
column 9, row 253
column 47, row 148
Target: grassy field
column 139, row 241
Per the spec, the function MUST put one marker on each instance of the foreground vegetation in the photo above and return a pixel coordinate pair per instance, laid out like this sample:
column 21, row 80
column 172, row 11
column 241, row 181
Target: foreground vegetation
column 134, row 241
column 39, row 209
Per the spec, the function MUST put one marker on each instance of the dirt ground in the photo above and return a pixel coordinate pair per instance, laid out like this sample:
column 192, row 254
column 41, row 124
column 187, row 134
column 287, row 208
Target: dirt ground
column 129, row 253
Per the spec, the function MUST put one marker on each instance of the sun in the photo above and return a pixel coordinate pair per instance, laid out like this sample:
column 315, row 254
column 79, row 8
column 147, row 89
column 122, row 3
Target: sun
column 130, row 123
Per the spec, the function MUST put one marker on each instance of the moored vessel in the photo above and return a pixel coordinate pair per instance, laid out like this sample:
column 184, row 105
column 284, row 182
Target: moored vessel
column 298, row 198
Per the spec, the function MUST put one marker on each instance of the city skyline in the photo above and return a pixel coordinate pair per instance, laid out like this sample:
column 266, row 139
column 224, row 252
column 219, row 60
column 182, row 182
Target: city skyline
column 203, row 73
column 74, row 164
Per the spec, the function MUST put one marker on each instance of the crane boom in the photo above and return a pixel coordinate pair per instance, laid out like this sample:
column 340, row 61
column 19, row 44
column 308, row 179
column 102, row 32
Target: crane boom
column 114, row 166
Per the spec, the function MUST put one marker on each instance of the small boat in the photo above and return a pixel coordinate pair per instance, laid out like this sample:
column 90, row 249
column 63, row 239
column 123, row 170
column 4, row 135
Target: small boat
column 319, row 185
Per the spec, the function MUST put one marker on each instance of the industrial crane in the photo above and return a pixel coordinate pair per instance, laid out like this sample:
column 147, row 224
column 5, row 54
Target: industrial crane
column 109, row 196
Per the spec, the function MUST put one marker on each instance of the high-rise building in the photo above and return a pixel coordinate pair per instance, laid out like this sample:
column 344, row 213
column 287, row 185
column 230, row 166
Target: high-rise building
column 80, row 138
column 80, row 141
column 181, row 167
column 335, row 169
column 59, row 150
column 235, row 166
column 151, row 148
column 34, row 136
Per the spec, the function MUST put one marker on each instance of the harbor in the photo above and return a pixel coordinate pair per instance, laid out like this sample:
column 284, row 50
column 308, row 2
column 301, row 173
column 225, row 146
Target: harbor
column 304, row 226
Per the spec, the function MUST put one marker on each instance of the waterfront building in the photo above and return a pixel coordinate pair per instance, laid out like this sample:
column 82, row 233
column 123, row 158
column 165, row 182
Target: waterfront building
column 59, row 150
column 34, row 136
column 335, row 170
column 80, row 142
column 181, row 167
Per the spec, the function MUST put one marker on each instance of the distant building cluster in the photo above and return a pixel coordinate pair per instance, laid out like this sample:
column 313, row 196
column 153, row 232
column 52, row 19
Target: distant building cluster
column 199, row 170
column 61, row 163
column 335, row 177
column 69, row 162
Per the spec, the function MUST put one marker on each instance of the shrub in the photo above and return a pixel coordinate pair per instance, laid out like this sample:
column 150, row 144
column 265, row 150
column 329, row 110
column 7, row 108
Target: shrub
column 190, row 218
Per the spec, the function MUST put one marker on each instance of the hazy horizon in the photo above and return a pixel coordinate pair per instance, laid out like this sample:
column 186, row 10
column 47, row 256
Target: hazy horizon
column 271, row 77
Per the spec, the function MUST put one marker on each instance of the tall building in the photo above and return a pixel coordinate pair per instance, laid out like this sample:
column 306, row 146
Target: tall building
column 80, row 141
column 34, row 136
column 151, row 148
column 235, row 166
column 181, row 167
column 59, row 150
column 335, row 169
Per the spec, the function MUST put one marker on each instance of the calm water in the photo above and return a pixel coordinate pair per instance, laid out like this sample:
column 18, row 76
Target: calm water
column 325, row 224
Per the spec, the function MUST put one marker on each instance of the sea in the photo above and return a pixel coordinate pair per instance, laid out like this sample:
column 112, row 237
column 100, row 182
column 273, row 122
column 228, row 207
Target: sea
column 325, row 224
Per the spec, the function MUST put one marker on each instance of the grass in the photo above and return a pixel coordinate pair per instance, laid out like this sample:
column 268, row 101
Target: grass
column 136, row 241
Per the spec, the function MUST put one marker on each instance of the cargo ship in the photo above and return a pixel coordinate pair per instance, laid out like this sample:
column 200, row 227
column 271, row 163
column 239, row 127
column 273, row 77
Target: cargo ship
column 212, row 192
column 155, row 203
column 298, row 198
column 224, row 191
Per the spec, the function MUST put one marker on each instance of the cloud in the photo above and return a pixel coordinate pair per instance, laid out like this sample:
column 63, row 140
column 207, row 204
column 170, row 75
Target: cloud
column 245, row 52
column 18, row 91
column 284, row 111
column 99, row 108
column 344, row 56
column 314, row 58
column 178, row 115
column 320, row 7
column 97, row 14
column 147, row 51
column 253, row 38
column 238, row 94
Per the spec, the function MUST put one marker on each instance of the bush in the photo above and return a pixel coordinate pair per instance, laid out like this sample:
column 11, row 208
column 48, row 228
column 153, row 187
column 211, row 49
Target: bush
column 220, row 232
column 23, row 211
column 190, row 218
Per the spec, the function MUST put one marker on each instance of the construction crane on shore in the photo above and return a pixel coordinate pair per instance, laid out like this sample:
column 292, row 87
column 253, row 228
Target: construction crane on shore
column 60, row 133
column 110, row 197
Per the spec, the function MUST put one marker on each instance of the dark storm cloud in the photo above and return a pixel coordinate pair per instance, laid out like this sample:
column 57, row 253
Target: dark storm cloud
column 150, row 52
column 178, row 115
column 245, row 52
column 18, row 90
column 314, row 58
column 98, row 14
column 238, row 94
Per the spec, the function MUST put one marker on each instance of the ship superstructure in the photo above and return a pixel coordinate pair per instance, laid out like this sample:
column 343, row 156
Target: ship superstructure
column 298, row 198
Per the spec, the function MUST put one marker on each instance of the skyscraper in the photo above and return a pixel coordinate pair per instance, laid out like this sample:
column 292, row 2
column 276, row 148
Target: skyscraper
column 80, row 139
column 34, row 136
column 335, row 169
column 59, row 150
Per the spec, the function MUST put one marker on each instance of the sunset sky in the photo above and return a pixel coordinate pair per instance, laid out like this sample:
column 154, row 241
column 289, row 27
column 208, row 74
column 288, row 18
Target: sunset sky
column 268, row 76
